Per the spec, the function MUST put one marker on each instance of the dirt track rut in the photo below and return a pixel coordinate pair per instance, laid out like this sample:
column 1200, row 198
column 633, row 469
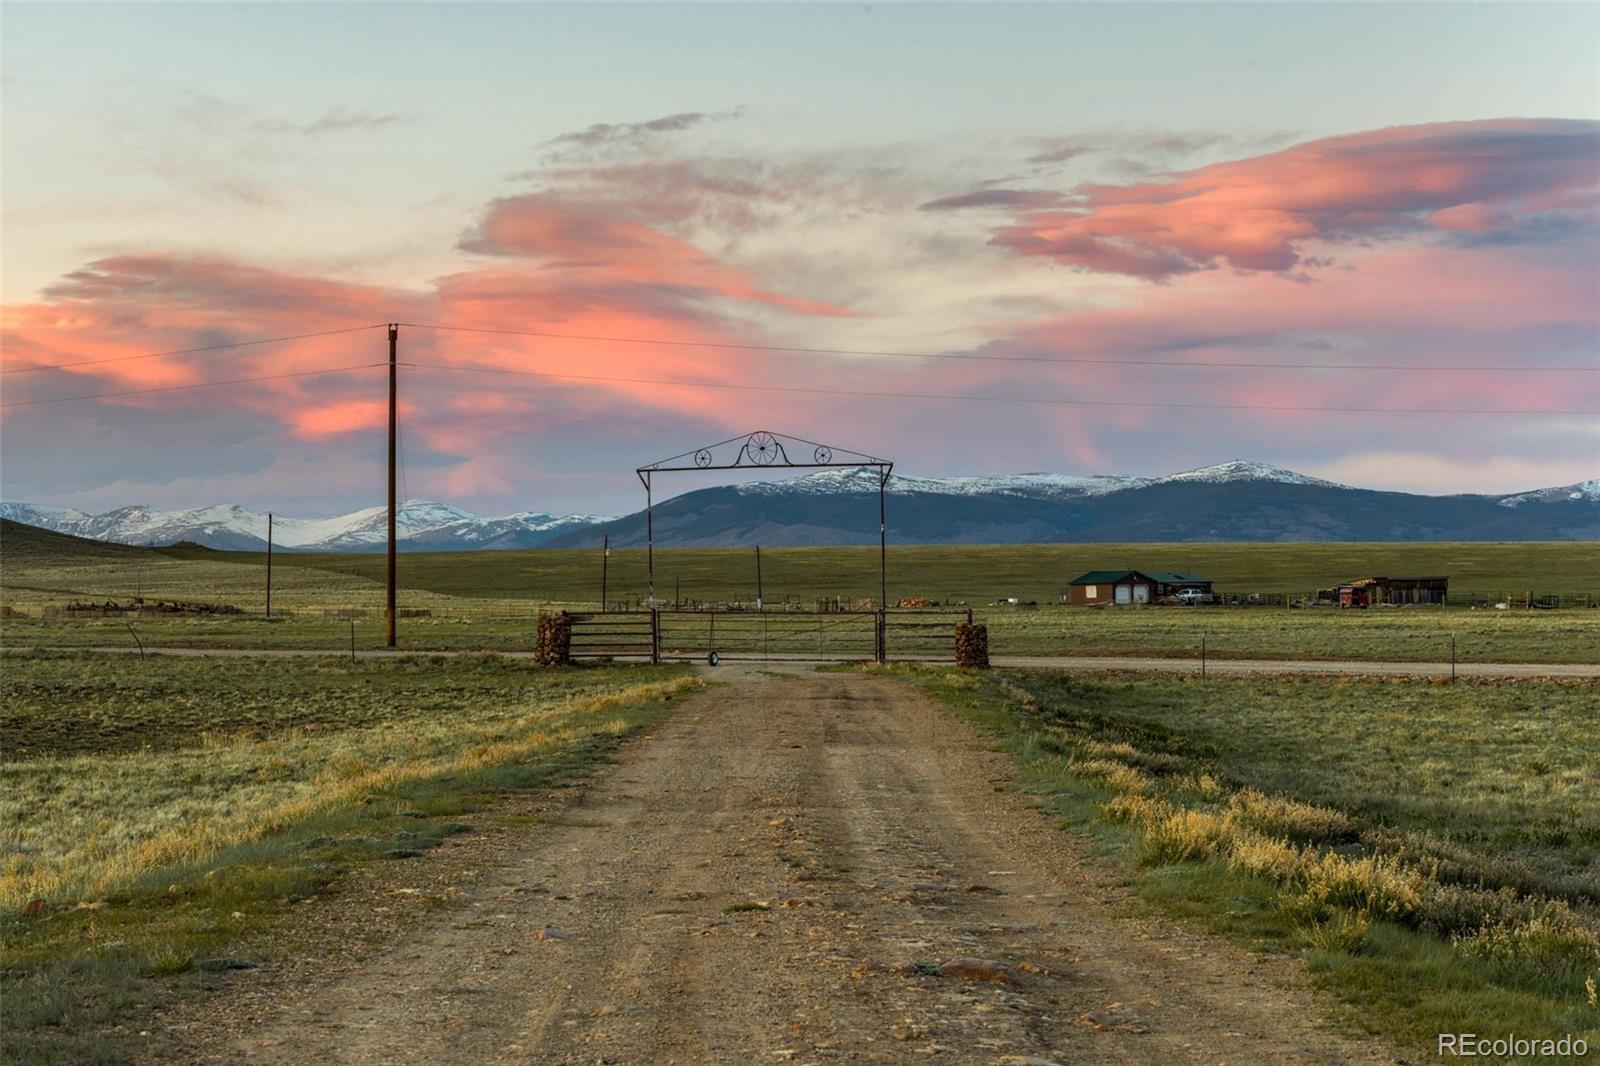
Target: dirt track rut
column 766, row 878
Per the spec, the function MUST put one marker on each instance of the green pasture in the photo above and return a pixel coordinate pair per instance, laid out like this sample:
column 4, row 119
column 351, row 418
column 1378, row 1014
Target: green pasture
column 971, row 573
column 491, row 600
column 168, row 819
column 1431, row 851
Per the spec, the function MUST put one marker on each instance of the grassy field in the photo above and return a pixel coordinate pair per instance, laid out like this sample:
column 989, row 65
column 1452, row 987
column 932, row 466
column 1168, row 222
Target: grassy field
column 1571, row 636
column 115, row 767
column 490, row 600
column 1433, row 851
column 146, row 801
column 973, row 573
column 1403, row 634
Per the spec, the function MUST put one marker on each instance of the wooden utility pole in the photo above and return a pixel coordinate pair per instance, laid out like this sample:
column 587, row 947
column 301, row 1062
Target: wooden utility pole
column 758, row 577
column 605, row 568
column 269, row 564
column 394, row 336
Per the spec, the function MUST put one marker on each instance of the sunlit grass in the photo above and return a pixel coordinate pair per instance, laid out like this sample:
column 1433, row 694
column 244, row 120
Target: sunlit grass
column 169, row 819
column 116, row 767
column 1411, row 840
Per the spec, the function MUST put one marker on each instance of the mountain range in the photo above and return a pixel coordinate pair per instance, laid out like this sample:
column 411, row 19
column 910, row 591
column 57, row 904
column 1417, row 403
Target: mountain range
column 420, row 526
column 1233, row 501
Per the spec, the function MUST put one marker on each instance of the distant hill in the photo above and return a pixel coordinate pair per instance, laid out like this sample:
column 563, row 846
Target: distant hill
column 20, row 543
column 1234, row 501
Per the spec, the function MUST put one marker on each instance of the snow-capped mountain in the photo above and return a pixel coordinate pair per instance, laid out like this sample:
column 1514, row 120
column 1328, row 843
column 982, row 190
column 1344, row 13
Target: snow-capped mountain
column 420, row 525
column 862, row 479
column 1582, row 491
column 1236, row 500
column 865, row 479
column 1241, row 470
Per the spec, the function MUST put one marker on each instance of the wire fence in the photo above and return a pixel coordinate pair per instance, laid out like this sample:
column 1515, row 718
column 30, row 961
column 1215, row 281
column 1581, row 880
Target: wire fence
column 1541, row 627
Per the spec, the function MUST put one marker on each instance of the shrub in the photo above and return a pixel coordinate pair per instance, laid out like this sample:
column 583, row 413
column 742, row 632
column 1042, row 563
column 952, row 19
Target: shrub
column 1136, row 807
column 1375, row 885
column 1114, row 775
column 1184, row 835
column 1296, row 820
column 1344, row 933
column 1264, row 856
column 1551, row 947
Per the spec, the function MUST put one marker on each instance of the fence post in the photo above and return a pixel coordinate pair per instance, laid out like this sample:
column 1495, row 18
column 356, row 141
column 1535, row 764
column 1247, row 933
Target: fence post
column 136, row 639
column 881, row 637
column 655, row 635
column 1452, row 658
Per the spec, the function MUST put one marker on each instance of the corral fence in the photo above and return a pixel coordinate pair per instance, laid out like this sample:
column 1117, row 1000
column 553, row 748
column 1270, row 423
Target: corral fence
column 668, row 635
column 1526, row 599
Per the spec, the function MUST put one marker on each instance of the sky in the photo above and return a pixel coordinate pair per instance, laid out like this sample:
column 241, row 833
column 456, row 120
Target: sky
column 1080, row 210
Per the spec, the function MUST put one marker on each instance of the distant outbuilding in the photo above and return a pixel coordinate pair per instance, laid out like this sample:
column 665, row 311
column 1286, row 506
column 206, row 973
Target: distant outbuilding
column 1369, row 591
column 1129, row 587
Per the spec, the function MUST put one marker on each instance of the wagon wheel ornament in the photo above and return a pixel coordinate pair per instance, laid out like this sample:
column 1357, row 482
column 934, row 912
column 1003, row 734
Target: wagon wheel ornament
column 823, row 454
column 702, row 458
column 761, row 448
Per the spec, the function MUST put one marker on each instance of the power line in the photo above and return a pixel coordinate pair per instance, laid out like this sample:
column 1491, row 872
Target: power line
column 1066, row 360
column 188, row 351
column 196, row 385
column 1048, row 401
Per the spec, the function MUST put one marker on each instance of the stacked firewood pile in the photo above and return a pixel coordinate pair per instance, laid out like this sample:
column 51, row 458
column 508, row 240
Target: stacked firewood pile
column 553, row 646
column 913, row 602
column 972, row 646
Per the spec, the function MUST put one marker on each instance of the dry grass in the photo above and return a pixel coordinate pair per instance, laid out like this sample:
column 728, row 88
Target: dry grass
column 81, row 826
column 1413, row 841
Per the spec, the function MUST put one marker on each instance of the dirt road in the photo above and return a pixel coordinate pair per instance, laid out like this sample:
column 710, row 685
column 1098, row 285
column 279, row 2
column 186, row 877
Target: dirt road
column 790, row 870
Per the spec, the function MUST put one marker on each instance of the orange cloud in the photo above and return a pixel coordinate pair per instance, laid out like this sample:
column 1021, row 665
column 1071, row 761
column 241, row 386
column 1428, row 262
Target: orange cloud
column 559, row 267
column 1483, row 288
column 595, row 246
column 343, row 417
column 1260, row 213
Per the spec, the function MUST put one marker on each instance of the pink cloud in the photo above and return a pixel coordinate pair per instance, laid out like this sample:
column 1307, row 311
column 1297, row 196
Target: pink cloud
column 595, row 245
column 1514, row 306
column 556, row 266
column 1478, row 289
column 346, row 416
column 1469, row 218
column 1261, row 213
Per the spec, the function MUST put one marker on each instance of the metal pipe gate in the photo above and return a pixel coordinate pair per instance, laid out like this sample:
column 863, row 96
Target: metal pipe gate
column 667, row 635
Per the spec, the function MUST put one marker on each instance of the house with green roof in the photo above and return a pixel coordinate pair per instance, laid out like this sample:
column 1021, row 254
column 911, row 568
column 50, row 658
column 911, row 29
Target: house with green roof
column 1099, row 588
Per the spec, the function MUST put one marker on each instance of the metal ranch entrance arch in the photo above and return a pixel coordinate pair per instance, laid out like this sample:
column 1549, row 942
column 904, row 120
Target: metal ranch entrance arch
column 762, row 450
